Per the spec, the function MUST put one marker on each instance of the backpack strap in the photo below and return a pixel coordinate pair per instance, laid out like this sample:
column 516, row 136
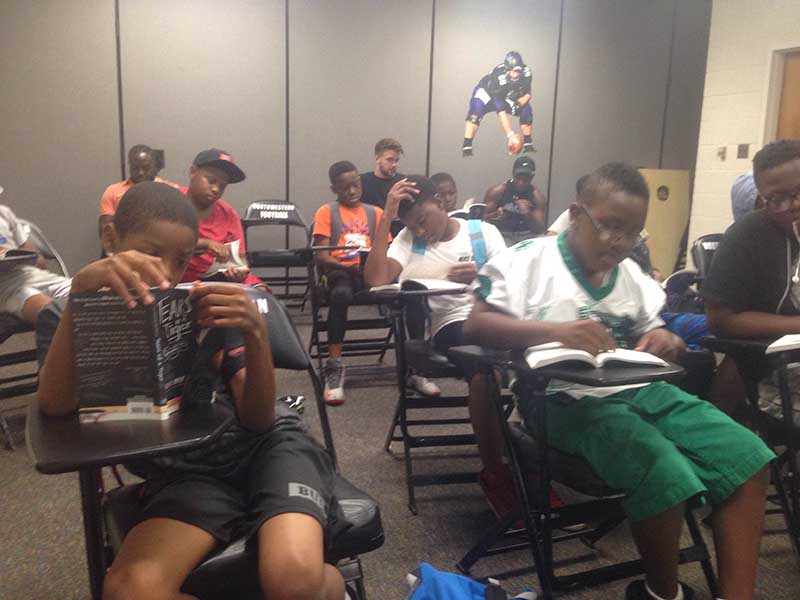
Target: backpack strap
column 336, row 223
column 478, row 242
column 369, row 210
column 418, row 246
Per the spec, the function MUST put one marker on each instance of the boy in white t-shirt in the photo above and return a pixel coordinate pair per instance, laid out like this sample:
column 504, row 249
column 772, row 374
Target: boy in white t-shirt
column 26, row 290
column 436, row 246
column 663, row 447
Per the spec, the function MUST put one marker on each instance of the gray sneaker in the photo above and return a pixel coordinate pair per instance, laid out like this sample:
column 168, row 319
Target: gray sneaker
column 334, row 382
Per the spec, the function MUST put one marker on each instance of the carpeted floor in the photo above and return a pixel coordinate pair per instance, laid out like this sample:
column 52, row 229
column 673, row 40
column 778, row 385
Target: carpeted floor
column 41, row 538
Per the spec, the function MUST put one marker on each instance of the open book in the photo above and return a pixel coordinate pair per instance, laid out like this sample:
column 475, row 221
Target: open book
column 132, row 363
column 415, row 284
column 787, row 342
column 11, row 259
column 555, row 352
column 234, row 260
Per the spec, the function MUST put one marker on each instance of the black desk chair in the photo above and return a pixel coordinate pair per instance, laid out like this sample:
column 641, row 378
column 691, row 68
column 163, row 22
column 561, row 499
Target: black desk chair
column 17, row 380
column 285, row 267
column 530, row 452
column 418, row 356
column 779, row 432
column 15, row 384
column 60, row 445
column 377, row 343
column 703, row 249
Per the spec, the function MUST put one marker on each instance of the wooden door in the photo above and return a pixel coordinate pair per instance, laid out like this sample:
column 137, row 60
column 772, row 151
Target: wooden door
column 789, row 112
column 667, row 215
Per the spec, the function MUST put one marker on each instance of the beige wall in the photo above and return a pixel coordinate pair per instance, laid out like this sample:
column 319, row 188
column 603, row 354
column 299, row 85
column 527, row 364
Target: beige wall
column 744, row 34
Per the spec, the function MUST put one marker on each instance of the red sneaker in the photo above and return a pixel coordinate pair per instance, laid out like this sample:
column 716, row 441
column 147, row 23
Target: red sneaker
column 555, row 500
column 498, row 487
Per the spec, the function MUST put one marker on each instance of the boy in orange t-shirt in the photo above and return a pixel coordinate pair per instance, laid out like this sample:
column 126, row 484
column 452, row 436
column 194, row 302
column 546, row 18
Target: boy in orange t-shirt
column 346, row 222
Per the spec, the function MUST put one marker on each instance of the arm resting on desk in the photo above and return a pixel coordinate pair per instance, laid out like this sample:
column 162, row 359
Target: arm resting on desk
column 724, row 322
column 326, row 260
column 495, row 329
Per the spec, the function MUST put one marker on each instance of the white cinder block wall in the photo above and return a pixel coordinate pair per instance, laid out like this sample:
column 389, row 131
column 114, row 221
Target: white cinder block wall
column 744, row 33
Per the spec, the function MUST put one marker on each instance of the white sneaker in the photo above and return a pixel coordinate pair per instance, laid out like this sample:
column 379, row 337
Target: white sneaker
column 334, row 382
column 423, row 386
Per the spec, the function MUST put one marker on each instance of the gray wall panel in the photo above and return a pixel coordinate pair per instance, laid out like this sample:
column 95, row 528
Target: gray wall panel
column 58, row 117
column 197, row 74
column 688, row 69
column 471, row 38
column 358, row 73
column 612, row 82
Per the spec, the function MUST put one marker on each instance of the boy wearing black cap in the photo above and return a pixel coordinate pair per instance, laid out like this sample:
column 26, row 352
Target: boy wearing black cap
column 209, row 175
column 517, row 206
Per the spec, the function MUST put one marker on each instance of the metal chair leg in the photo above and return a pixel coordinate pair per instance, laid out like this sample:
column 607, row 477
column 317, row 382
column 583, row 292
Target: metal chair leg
column 395, row 423
column 7, row 434
column 705, row 564
column 90, row 485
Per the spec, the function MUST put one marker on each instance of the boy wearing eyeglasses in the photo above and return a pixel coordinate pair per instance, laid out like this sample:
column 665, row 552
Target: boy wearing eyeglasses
column 664, row 448
column 753, row 287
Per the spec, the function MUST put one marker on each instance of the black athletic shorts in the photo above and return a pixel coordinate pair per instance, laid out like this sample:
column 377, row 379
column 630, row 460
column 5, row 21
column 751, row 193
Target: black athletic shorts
column 452, row 335
column 280, row 471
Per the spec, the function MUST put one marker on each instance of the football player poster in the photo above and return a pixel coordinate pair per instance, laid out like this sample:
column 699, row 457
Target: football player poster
column 507, row 92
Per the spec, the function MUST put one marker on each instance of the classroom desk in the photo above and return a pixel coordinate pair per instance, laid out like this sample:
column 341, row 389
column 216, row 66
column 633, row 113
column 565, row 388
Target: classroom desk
column 63, row 445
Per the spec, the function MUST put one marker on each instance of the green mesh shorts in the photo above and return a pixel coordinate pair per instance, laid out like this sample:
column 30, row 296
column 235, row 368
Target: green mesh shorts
column 658, row 444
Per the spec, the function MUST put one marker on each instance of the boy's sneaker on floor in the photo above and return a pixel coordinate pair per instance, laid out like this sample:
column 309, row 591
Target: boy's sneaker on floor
column 334, row 382
column 636, row 590
column 498, row 487
column 528, row 148
column 423, row 386
column 466, row 151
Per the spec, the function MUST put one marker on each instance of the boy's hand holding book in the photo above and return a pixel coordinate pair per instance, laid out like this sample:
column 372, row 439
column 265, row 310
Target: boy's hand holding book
column 129, row 274
column 662, row 343
column 585, row 334
column 217, row 249
column 463, row 273
column 229, row 307
column 236, row 274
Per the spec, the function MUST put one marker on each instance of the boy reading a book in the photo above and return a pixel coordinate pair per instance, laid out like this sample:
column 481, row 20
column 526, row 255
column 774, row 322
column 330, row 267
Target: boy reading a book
column 658, row 444
column 753, row 288
column 244, row 484
column 24, row 291
column 211, row 172
column 436, row 246
column 345, row 222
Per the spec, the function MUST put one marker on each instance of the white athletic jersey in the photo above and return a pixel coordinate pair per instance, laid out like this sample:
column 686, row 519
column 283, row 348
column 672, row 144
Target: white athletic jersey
column 13, row 233
column 539, row 279
column 436, row 262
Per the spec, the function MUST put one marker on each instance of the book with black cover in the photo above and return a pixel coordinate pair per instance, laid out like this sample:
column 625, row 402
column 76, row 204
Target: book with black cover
column 132, row 363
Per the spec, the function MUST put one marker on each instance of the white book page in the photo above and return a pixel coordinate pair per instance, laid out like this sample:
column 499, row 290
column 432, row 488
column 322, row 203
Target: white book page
column 787, row 342
column 234, row 261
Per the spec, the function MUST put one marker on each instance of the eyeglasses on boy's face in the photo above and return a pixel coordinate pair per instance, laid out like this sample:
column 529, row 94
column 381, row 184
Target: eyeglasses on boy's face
column 611, row 234
column 781, row 201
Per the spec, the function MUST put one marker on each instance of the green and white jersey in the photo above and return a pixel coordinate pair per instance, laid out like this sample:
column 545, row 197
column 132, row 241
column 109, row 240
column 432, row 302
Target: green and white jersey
column 540, row 280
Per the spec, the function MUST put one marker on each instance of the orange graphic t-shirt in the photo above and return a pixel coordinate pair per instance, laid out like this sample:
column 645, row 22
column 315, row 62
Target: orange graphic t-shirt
column 355, row 230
